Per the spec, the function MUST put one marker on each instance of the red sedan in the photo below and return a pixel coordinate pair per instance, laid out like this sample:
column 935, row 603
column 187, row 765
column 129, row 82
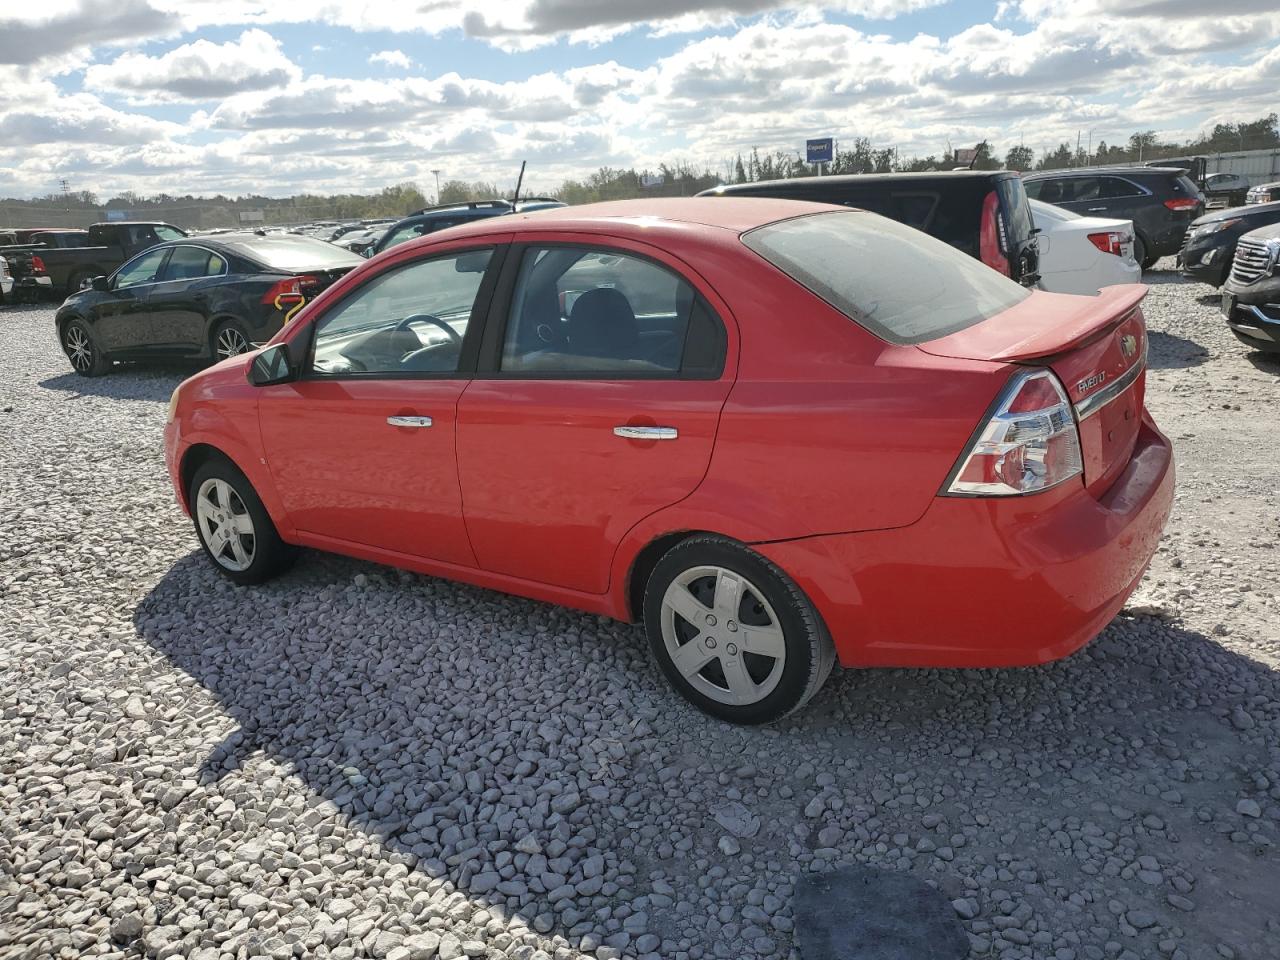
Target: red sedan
column 779, row 433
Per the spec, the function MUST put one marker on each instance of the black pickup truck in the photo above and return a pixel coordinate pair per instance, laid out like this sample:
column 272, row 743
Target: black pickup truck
column 109, row 245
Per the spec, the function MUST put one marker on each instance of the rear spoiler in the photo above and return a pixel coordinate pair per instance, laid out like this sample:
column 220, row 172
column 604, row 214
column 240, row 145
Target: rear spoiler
column 1054, row 323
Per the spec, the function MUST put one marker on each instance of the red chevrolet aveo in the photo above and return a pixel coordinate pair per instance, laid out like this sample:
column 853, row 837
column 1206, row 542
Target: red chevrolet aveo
column 779, row 433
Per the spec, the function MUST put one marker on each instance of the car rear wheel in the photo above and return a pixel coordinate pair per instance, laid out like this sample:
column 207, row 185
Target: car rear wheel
column 76, row 282
column 733, row 633
column 229, row 340
column 87, row 358
column 1140, row 251
column 233, row 526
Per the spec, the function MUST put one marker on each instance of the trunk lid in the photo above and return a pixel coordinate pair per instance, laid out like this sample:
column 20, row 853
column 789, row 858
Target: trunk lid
column 1097, row 347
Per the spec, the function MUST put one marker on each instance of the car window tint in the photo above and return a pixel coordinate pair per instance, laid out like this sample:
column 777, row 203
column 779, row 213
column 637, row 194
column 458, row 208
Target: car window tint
column 1118, row 187
column 857, row 261
column 582, row 311
column 407, row 232
column 1083, row 188
column 186, row 263
column 914, row 209
column 408, row 320
column 217, row 266
column 141, row 269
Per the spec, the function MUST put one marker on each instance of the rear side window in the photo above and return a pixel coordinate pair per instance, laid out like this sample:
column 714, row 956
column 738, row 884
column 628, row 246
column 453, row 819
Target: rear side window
column 902, row 285
column 192, row 263
column 579, row 311
column 1114, row 188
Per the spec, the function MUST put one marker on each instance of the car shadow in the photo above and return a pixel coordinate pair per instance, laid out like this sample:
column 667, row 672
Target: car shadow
column 1266, row 362
column 450, row 724
column 1169, row 352
column 149, row 380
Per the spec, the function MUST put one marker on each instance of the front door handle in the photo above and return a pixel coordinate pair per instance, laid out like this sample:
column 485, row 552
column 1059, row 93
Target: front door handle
column 409, row 421
column 646, row 433
column 1096, row 209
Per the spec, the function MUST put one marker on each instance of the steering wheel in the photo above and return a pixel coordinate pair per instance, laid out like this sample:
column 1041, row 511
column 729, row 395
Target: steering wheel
column 407, row 322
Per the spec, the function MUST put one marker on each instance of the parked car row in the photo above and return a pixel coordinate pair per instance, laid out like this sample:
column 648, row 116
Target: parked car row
column 71, row 258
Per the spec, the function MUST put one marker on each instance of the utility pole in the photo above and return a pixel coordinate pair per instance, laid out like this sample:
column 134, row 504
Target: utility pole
column 437, row 173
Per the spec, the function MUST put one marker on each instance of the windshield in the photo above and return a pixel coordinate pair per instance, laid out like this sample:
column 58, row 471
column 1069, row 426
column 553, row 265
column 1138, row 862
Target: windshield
column 296, row 253
column 902, row 285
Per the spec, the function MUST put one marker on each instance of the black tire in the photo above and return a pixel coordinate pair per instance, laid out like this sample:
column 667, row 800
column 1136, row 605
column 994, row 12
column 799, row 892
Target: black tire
column 226, row 332
column 1140, row 252
column 809, row 652
column 269, row 555
column 81, row 348
column 76, row 282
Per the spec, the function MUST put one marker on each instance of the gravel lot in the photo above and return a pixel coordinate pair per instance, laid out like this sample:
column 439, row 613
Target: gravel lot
column 353, row 762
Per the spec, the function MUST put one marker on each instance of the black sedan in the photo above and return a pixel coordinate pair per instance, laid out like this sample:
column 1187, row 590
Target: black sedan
column 205, row 298
column 1210, row 245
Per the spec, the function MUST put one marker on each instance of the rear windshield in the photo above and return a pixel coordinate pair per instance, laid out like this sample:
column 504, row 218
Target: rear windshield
column 296, row 253
column 902, row 285
column 1017, row 211
column 1185, row 187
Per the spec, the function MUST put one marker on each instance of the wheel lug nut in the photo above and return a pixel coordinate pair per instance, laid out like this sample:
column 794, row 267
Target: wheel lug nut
column 731, row 626
column 711, row 621
column 711, row 643
column 731, row 649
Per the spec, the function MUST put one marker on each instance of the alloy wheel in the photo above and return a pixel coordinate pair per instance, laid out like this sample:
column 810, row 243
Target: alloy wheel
column 722, row 635
column 225, row 524
column 231, row 342
column 79, row 348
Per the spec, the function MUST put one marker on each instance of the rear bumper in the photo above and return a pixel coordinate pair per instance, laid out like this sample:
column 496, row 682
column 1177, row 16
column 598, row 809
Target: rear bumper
column 989, row 582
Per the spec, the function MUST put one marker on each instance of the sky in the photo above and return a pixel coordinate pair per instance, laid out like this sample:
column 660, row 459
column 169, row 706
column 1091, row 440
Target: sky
column 284, row 97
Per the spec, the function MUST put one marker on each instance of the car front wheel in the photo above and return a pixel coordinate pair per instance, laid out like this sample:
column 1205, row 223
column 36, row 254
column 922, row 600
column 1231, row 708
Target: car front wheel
column 87, row 358
column 733, row 633
column 233, row 526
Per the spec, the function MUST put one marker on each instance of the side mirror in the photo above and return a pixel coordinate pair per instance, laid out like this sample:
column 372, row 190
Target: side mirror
column 101, row 284
column 272, row 365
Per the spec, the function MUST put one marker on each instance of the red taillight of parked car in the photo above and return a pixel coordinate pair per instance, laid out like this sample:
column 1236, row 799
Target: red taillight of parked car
column 1107, row 242
column 1182, row 203
column 289, row 292
column 37, row 265
column 1030, row 443
column 992, row 242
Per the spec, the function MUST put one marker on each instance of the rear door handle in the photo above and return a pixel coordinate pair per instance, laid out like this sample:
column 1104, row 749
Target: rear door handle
column 409, row 421
column 646, row 433
column 1096, row 209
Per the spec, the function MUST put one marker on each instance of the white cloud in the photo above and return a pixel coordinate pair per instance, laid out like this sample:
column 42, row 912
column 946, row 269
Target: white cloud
column 59, row 26
column 197, row 71
column 392, row 58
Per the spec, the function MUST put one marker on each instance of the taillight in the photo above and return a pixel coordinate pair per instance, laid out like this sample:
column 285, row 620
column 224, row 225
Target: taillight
column 1182, row 203
column 992, row 243
column 1107, row 242
column 286, row 293
column 1030, row 443
column 37, row 265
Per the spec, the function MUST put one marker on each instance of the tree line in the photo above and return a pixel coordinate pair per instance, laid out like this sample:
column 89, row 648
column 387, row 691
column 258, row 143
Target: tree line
column 677, row 178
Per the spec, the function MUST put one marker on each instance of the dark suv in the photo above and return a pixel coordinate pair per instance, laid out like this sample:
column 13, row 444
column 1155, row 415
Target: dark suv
column 431, row 219
column 983, row 213
column 1251, row 295
column 1161, row 202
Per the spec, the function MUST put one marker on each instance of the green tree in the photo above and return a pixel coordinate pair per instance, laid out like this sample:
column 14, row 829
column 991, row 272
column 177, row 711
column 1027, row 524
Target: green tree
column 1019, row 158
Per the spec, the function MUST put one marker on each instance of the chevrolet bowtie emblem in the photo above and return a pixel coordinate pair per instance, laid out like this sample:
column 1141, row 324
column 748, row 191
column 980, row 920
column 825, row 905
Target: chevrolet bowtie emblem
column 1128, row 345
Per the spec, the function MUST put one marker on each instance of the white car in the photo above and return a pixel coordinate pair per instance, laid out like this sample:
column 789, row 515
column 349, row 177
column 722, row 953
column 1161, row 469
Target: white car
column 1082, row 254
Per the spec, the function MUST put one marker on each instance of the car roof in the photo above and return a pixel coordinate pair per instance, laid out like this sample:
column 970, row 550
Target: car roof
column 1099, row 171
column 853, row 179
column 644, row 219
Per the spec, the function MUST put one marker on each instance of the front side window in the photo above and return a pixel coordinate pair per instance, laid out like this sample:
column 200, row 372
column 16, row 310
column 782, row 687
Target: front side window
column 168, row 233
column 903, row 285
column 581, row 311
column 141, row 269
column 409, row 320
